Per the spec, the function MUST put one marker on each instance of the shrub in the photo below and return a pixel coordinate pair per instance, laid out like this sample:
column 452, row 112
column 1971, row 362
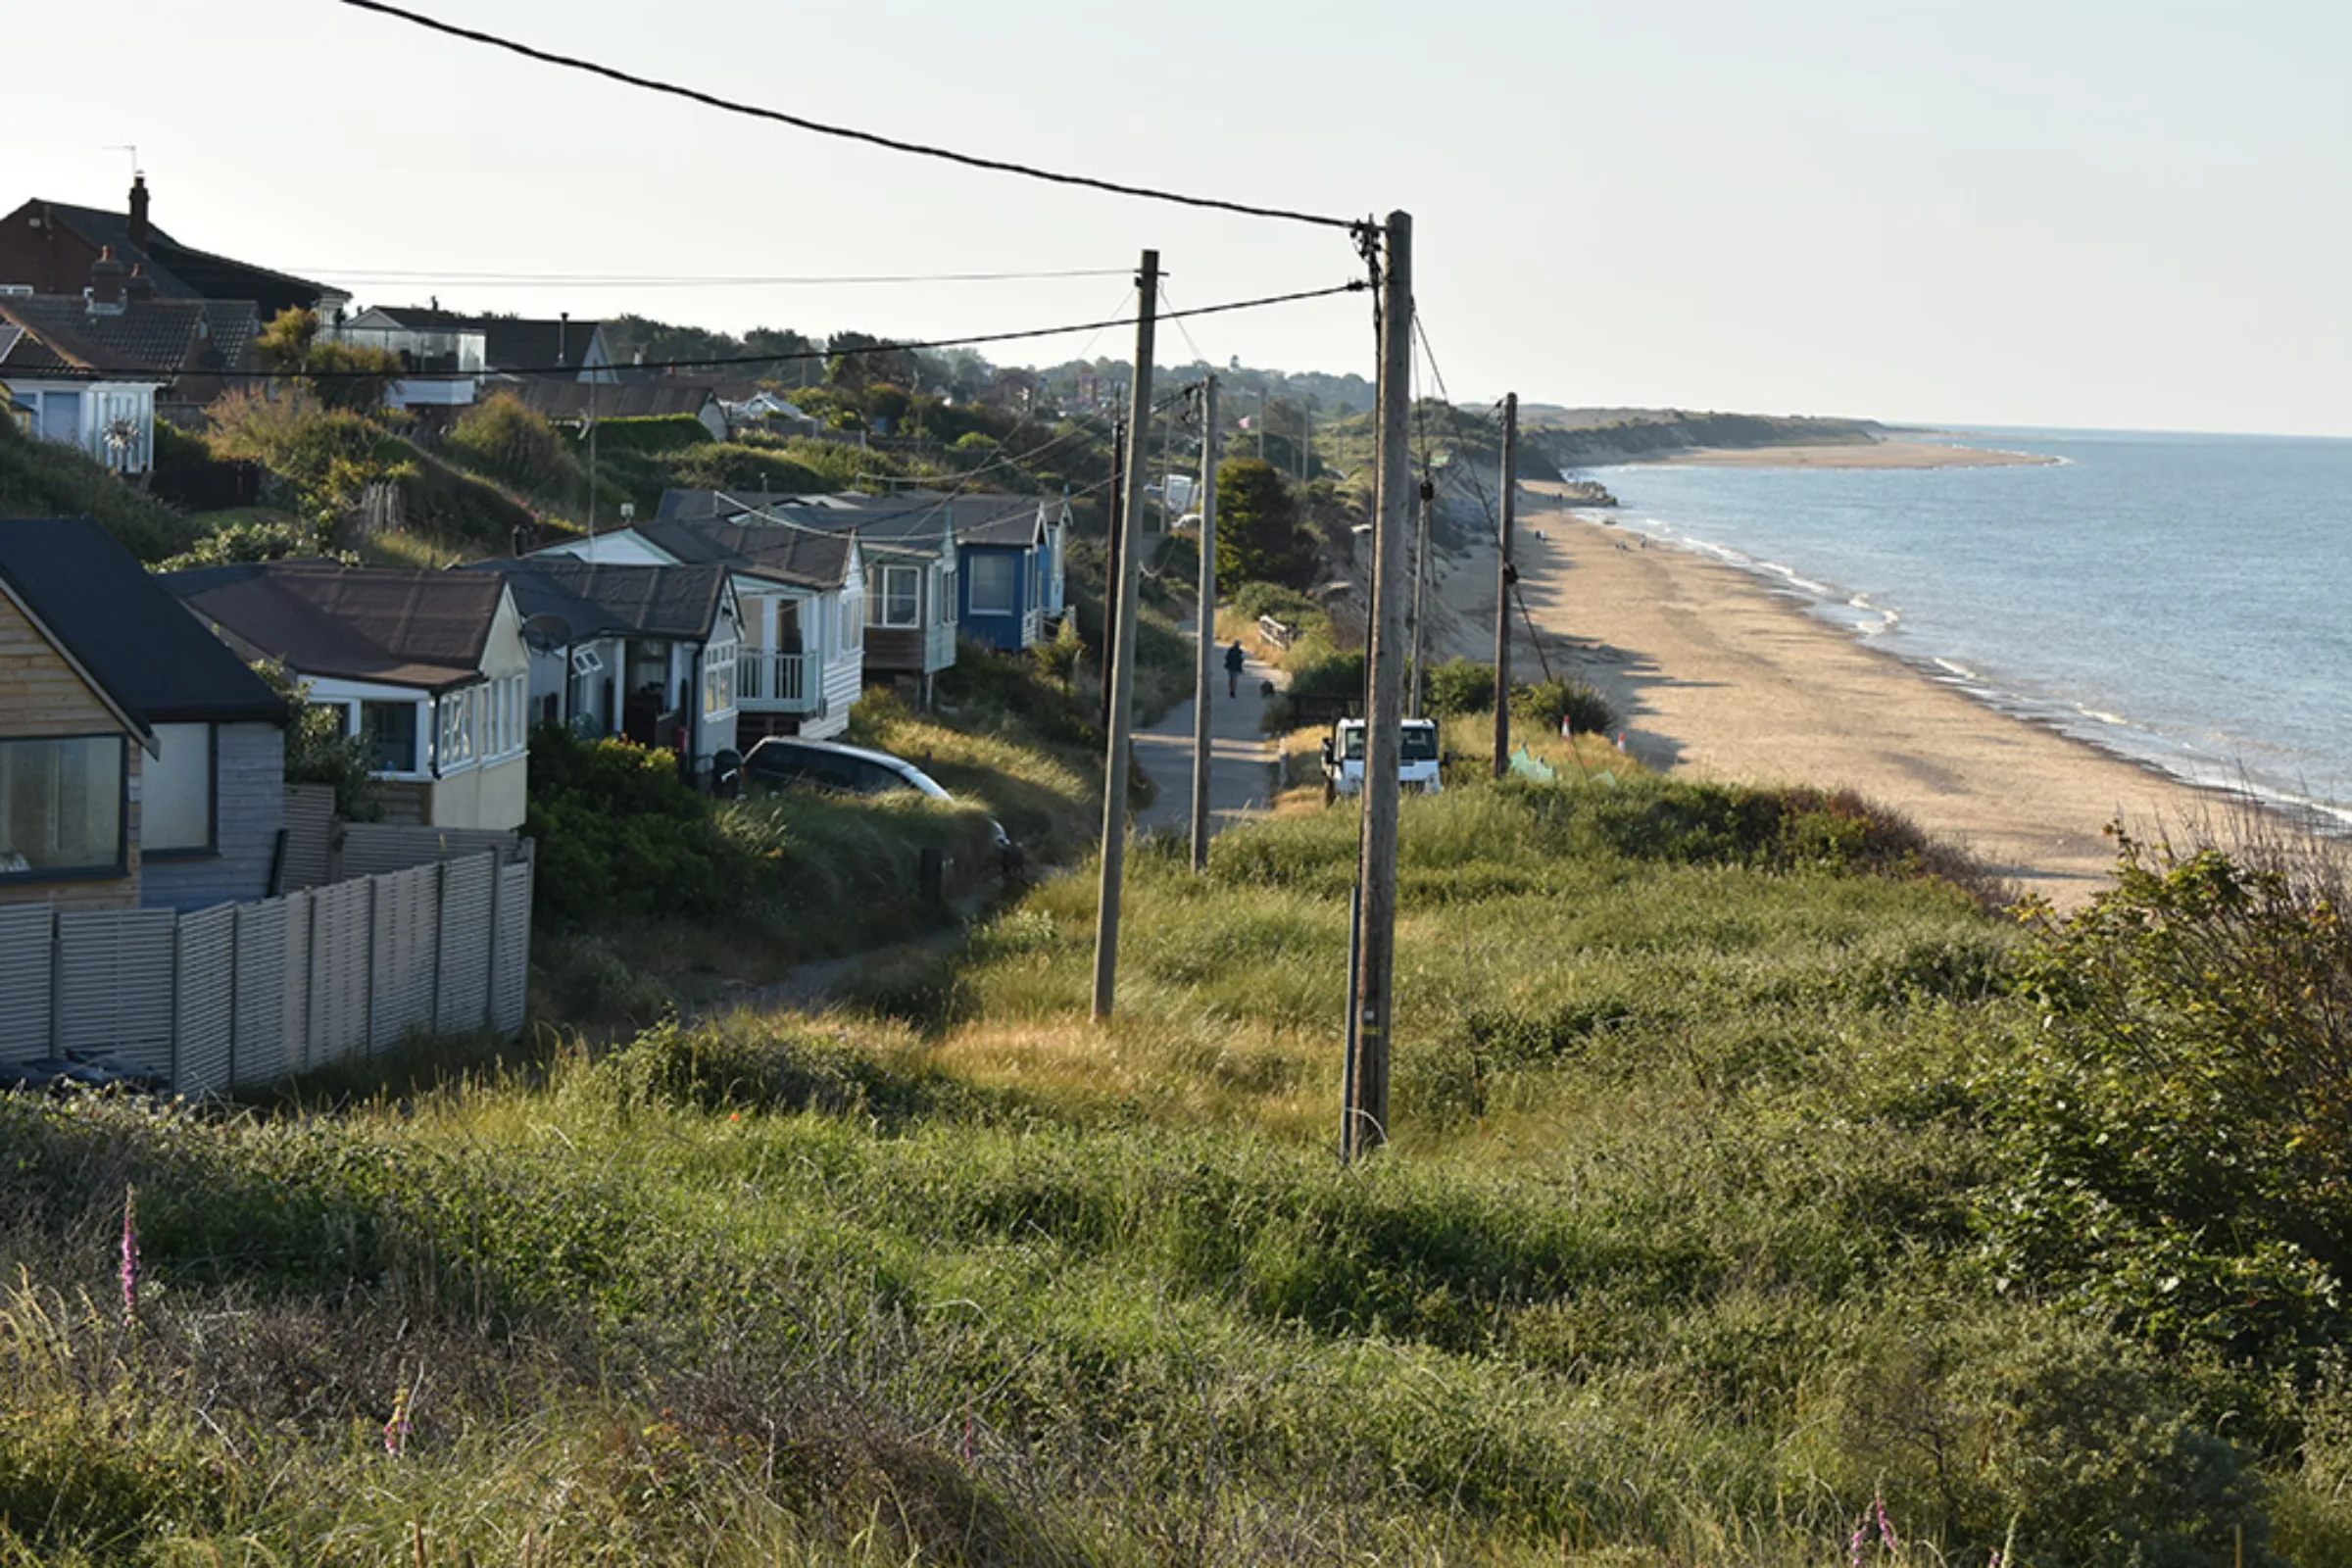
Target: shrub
column 503, row 440
column 1551, row 703
column 44, row 479
column 619, row 833
column 2178, row 1123
column 1459, row 686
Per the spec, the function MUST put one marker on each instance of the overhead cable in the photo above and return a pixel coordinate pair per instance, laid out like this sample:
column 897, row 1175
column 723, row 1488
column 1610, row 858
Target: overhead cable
column 721, row 360
column 845, row 133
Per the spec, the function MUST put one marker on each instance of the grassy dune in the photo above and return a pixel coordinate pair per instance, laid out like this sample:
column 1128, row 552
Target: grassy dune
column 1690, row 1250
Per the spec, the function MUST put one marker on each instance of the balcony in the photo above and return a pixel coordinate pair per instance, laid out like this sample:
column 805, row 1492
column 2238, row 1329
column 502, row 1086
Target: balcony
column 771, row 682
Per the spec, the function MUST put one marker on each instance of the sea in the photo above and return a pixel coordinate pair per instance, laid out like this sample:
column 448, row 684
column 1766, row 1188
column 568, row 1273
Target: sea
column 2183, row 601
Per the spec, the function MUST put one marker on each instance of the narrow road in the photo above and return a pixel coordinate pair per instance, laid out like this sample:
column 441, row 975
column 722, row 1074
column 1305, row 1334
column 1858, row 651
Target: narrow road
column 1242, row 760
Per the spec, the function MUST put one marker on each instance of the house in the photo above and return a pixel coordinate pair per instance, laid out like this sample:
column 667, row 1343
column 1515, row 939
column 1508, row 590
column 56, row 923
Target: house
column 1010, row 558
column 140, row 761
column 458, row 360
column 50, row 248
column 800, row 593
column 89, row 369
column 428, row 668
column 911, row 558
column 645, row 652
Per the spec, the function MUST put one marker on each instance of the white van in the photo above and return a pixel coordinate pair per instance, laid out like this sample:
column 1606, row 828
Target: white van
column 1417, row 766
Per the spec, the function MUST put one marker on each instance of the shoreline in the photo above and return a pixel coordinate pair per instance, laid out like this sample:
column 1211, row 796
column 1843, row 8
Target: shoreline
column 1910, row 452
column 1715, row 673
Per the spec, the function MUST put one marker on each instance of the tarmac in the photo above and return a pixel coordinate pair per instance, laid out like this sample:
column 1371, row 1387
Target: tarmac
column 1243, row 762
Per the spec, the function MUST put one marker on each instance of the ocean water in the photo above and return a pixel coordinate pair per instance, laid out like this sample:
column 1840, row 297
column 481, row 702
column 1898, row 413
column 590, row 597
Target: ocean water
column 2182, row 600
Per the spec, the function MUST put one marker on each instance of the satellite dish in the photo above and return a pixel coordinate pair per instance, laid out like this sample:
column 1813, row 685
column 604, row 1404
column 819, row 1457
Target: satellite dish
column 546, row 634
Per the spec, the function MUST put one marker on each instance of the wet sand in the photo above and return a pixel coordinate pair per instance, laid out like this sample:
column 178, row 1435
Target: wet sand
column 1716, row 674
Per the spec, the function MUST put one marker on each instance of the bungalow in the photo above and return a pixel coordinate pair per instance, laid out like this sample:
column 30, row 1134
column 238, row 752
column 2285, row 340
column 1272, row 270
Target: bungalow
column 1011, row 549
column 910, row 561
column 428, row 668
column 140, row 761
column 88, row 370
column 649, row 652
column 801, row 662
column 459, row 359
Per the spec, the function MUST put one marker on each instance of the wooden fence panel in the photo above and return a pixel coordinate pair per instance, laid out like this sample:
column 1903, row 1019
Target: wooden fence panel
column 258, row 1045
column 468, row 952
column 404, row 953
column 297, row 960
column 113, row 991
column 203, row 1000
column 511, row 950
column 27, row 970
column 340, row 971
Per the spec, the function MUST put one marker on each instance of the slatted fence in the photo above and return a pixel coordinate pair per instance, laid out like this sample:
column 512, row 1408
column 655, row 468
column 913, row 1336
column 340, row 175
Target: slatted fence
column 244, row 992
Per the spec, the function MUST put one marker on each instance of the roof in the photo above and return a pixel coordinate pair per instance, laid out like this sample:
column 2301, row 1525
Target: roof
column 400, row 628
column 155, row 339
column 908, row 519
column 802, row 555
column 182, row 271
column 159, row 663
column 630, row 400
column 594, row 599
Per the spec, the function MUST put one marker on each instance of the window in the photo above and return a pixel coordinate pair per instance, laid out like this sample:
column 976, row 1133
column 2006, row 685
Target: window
column 505, row 728
column 61, row 805
column 718, row 678
column 995, row 590
column 175, row 790
column 895, row 596
column 455, row 749
column 853, row 618
column 946, row 614
column 390, row 731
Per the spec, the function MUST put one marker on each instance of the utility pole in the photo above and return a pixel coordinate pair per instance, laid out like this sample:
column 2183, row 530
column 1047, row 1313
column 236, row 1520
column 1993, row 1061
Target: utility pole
column 1505, row 574
column 1122, row 653
column 1205, row 675
column 1372, row 987
column 1110, row 564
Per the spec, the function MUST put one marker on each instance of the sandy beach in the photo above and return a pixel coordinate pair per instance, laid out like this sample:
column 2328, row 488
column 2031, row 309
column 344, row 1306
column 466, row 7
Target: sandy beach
column 1716, row 674
column 1895, row 454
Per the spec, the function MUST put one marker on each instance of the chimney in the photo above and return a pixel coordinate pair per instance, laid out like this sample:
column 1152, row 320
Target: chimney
column 139, row 230
column 106, row 283
column 139, row 286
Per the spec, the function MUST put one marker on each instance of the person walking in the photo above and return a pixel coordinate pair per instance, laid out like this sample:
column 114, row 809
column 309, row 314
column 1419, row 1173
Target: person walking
column 1233, row 670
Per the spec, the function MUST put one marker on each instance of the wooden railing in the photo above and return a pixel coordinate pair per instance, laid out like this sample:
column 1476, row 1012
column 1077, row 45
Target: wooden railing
column 761, row 677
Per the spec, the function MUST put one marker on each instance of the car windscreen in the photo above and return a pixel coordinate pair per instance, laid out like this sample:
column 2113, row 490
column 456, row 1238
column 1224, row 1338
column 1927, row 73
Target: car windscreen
column 1420, row 744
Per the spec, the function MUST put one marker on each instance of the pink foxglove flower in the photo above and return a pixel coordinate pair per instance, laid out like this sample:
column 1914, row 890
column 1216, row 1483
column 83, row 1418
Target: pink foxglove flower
column 130, row 1257
column 396, row 1430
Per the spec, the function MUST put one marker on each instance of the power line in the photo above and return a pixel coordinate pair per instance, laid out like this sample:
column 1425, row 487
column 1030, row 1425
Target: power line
column 1493, row 526
column 721, row 360
column 458, row 279
column 843, row 133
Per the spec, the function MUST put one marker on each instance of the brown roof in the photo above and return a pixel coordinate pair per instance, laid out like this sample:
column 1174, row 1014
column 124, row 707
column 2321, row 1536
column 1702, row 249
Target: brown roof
column 158, row 340
column 403, row 628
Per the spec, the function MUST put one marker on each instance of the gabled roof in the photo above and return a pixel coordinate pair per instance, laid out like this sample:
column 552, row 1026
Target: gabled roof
column 630, row 400
column 182, row 271
column 911, row 520
column 156, row 660
column 425, row 629
column 156, row 339
column 800, row 556
column 599, row 599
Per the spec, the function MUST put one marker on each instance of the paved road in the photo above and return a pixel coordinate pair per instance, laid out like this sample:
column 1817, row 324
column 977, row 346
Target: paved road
column 1242, row 760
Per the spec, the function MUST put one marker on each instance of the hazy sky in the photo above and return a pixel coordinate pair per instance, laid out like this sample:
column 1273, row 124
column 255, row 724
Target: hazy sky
column 2131, row 213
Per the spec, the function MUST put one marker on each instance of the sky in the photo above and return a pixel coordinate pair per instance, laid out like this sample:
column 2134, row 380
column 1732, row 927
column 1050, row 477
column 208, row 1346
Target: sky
column 2112, row 214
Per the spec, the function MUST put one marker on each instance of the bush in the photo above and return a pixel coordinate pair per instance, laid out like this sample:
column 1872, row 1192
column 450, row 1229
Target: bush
column 1551, row 703
column 1459, row 686
column 2177, row 1120
column 44, row 479
column 503, row 440
column 619, row 833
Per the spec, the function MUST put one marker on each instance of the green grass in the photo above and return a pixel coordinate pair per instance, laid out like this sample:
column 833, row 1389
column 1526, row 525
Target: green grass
column 1676, row 1257
column 43, row 479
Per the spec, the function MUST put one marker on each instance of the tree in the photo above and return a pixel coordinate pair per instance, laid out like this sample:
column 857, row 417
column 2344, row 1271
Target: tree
column 1258, row 536
column 340, row 375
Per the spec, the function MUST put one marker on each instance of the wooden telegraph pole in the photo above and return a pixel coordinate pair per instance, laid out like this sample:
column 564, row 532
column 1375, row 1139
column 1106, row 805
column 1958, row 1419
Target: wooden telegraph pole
column 1110, row 554
column 1122, row 650
column 1505, row 574
column 1205, row 675
column 1371, row 994
column 1415, row 672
